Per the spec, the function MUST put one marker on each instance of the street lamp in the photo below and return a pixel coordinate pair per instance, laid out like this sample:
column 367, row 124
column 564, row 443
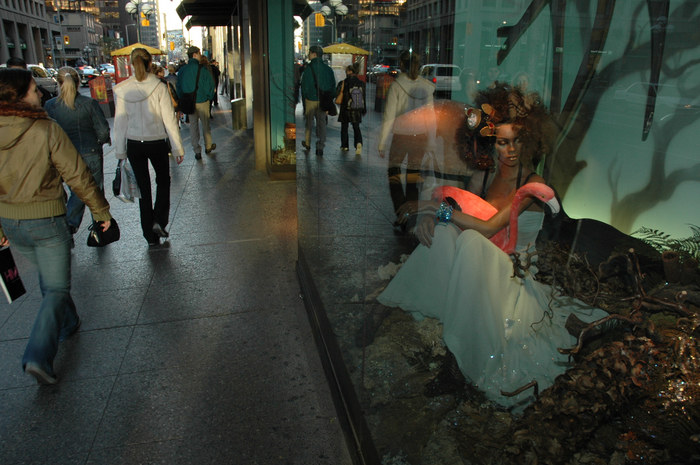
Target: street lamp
column 334, row 8
column 135, row 8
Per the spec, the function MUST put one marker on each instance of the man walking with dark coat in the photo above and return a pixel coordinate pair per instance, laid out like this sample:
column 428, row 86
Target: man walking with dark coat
column 186, row 82
column 317, row 77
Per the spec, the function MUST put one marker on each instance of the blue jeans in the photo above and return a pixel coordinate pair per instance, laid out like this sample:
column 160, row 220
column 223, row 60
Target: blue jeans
column 46, row 242
column 75, row 207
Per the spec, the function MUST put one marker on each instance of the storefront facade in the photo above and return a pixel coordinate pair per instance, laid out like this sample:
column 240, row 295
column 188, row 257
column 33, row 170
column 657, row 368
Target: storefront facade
column 620, row 81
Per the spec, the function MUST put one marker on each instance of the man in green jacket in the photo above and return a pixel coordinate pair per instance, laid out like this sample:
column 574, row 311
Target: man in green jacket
column 317, row 76
column 186, row 82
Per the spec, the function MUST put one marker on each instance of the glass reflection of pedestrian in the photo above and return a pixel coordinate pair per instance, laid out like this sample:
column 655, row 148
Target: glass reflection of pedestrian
column 348, row 113
column 85, row 123
column 411, row 137
column 36, row 157
column 522, row 81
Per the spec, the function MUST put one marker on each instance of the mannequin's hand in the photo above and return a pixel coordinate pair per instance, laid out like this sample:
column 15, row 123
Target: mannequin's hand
column 425, row 229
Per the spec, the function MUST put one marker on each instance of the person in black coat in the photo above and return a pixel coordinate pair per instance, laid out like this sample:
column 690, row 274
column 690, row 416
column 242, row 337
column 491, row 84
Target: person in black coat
column 352, row 103
column 216, row 73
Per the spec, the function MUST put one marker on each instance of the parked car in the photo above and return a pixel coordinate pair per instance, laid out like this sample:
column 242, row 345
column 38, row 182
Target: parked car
column 669, row 99
column 107, row 69
column 378, row 70
column 43, row 79
column 445, row 77
column 87, row 74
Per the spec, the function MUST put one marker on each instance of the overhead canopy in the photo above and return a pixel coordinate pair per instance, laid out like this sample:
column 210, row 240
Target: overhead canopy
column 207, row 12
column 128, row 49
column 345, row 48
column 302, row 9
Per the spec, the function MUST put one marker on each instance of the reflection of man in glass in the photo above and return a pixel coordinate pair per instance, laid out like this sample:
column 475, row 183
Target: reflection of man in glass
column 318, row 77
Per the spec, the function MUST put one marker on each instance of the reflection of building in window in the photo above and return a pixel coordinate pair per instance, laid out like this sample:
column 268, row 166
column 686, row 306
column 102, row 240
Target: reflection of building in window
column 429, row 27
column 379, row 30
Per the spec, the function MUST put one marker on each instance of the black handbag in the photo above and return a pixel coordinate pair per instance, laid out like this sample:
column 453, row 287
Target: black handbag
column 99, row 238
column 117, row 183
column 327, row 103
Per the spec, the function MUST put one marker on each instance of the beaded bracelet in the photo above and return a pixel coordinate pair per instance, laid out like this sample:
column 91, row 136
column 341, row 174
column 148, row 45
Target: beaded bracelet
column 444, row 213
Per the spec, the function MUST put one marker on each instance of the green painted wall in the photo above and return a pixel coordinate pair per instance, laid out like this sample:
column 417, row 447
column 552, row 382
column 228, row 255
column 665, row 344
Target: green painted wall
column 281, row 64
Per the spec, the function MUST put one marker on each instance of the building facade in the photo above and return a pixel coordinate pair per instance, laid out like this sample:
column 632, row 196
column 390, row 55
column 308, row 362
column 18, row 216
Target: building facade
column 27, row 32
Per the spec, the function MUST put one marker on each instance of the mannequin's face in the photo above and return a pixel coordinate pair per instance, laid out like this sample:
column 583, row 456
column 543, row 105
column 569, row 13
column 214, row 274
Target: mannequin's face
column 508, row 144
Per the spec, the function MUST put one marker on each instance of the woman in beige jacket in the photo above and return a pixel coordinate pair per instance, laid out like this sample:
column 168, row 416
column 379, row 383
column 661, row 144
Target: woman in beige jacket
column 36, row 156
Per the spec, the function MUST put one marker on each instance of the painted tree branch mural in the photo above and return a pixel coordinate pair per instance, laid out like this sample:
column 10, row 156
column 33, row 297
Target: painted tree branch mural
column 668, row 53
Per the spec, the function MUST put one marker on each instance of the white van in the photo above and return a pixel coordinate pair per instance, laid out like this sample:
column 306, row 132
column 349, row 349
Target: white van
column 43, row 79
column 445, row 77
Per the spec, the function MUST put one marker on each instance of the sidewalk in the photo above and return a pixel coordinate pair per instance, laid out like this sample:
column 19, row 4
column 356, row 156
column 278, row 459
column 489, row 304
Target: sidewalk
column 199, row 351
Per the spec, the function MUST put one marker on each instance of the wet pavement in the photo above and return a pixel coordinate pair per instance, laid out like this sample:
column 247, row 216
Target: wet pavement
column 198, row 351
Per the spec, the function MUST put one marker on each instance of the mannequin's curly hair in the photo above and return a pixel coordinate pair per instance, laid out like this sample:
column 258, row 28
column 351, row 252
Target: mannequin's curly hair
column 508, row 105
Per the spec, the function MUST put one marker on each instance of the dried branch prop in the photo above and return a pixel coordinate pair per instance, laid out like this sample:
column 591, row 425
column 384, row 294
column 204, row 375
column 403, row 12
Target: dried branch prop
column 532, row 384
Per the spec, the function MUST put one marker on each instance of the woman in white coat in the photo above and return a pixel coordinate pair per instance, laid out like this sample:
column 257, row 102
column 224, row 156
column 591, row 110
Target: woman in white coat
column 412, row 131
column 145, row 128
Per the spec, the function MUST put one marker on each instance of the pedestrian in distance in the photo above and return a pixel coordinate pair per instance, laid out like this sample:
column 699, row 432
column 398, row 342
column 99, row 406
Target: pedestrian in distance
column 216, row 73
column 205, row 64
column 190, row 77
column 36, row 157
column 85, row 123
column 145, row 129
column 351, row 100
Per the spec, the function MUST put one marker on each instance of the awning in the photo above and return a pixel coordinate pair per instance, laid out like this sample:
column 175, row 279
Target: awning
column 345, row 48
column 302, row 9
column 207, row 12
column 130, row 48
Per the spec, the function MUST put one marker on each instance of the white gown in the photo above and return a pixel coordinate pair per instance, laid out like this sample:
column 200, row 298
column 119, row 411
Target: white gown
column 494, row 323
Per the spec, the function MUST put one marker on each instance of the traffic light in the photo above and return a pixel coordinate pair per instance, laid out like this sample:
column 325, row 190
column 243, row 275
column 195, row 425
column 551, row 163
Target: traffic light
column 172, row 45
column 319, row 20
column 66, row 40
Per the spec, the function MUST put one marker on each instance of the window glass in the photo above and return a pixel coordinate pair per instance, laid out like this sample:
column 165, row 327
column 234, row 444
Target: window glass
column 624, row 105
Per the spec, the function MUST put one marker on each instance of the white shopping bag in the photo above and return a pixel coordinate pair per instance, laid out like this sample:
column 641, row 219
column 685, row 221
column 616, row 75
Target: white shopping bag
column 129, row 190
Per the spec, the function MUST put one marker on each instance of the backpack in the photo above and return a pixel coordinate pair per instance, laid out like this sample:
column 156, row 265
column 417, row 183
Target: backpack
column 357, row 98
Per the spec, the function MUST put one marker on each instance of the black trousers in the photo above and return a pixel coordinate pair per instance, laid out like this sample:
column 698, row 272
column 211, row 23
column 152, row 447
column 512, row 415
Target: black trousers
column 357, row 134
column 409, row 148
column 139, row 153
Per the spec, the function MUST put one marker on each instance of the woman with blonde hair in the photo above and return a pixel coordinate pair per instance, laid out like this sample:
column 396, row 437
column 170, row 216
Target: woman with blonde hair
column 145, row 129
column 85, row 123
column 36, row 157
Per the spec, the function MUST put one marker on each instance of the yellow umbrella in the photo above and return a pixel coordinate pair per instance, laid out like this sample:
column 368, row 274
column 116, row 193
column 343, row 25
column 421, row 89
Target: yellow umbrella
column 130, row 48
column 345, row 48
